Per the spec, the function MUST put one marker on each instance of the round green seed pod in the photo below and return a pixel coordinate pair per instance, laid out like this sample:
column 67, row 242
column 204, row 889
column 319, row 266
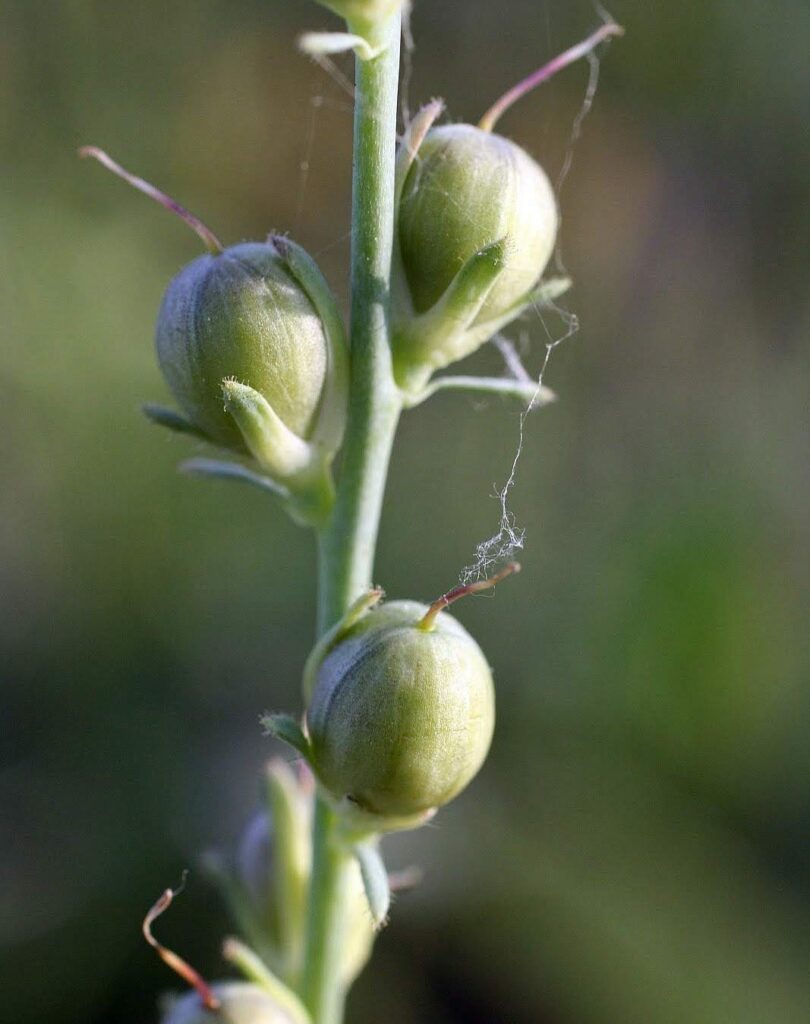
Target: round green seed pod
column 401, row 716
column 240, row 314
column 240, row 1003
column 467, row 189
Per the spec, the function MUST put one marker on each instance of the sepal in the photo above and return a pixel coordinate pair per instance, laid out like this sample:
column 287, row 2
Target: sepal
column 232, row 471
column 358, row 609
column 331, row 419
column 444, row 334
column 285, row 728
column 375, row 881
column 289, row 807
column 301, row 468
column 525, row 391
column 256, row 970
column 541, row 297
column 359, row 825
column 268, row 439
column 162, row 416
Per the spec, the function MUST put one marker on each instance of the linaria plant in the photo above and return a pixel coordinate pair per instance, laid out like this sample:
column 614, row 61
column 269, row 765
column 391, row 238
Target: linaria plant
column 452, row 231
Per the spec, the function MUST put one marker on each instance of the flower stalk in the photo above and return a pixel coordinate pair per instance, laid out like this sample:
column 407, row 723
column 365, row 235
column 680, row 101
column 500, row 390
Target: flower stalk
column 399, row 698
column 347, row 544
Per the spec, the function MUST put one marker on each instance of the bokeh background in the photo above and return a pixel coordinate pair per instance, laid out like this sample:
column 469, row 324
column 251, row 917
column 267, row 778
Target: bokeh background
column 636, row 849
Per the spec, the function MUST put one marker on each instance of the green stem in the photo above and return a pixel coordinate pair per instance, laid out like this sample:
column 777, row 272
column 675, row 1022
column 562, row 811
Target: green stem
column 347, row 545
column 324, row 986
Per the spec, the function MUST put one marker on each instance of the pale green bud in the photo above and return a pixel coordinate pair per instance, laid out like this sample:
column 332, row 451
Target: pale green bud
column 239, row 1003
column 273, row 869
column 251, row 343
column 476, row 225
column 402, row 712
column 466, row 190
column 242, row 315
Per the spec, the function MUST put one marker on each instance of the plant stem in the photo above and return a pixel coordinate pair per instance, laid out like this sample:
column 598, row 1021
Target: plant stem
column 347, row 545
column 324, row 987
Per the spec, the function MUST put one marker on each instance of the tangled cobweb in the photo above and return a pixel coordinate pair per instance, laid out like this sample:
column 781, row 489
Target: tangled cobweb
column 509, row 538
column 503, row 545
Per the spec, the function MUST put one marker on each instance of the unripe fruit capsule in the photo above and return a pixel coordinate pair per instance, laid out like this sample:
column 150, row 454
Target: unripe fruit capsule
column 239, row 314
column 467, row 189
column 477, row 223
column 402, row 715
column 252, row 346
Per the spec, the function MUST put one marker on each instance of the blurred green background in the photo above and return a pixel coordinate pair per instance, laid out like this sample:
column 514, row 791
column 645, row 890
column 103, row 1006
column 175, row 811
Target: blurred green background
column 636, row 849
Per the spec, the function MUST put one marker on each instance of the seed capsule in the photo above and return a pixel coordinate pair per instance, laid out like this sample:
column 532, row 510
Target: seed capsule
column 240, row 315
column 253, row 353
column 477, row 223
column 402, row 711
column 252, row 346
column 466, row 190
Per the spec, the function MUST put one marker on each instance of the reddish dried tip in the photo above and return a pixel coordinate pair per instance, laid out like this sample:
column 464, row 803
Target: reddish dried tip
column 428, row 620
column 582, row 49
column 171, row 959
column 209, row 239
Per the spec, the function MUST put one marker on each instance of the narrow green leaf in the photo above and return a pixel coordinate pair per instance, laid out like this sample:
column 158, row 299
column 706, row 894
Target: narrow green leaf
column 286, row 728
column 540, row 297
column 233, row 471
column 172, row 420
column 507, row 387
